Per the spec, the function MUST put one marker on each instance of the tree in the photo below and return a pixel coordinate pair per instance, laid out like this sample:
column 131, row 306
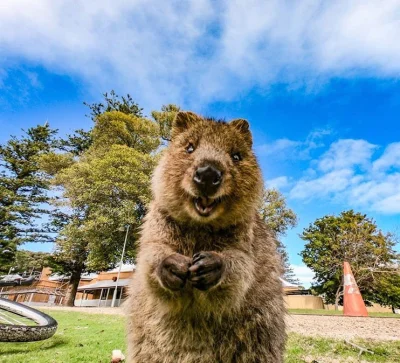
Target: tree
column 351, row 237
column 275, row 212
column 279, row 218
column 110, row 184
column 23, row 191
column 70, row 255
column 77, row 143
column 105, row 187
column 27, row 262
column 386, row 290
column 164, row 120
column 112, row 102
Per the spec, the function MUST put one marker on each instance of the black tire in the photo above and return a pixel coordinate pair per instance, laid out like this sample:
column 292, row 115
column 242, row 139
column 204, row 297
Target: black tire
column 45, row 328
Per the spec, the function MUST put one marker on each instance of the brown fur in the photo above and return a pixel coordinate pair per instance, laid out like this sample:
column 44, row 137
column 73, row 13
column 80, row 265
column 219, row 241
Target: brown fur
column 240, row 318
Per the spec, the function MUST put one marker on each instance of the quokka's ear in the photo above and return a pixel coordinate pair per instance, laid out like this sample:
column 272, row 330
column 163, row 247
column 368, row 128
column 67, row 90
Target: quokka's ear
column 244, row 128
column 183, row 120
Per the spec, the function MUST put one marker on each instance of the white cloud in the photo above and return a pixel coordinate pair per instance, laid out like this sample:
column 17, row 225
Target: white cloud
column 145, row 47
column 390, row 158
column 295, row 149
column 346, row 154
column 333, row 182
column 278, row 183
column 304, row 274
column 380, row 193
column 349, row 173
column 390, row 204
column 278, row 148
column 202, row 50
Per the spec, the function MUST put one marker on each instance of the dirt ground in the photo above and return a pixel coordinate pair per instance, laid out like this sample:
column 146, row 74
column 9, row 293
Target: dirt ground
column 340, row 327
column 337, row 327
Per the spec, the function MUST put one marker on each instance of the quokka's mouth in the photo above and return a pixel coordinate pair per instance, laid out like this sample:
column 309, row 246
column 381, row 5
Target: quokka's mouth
column 205, row 206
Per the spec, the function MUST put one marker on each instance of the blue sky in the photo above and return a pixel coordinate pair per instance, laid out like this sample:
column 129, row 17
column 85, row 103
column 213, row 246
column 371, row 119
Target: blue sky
column 319, row 83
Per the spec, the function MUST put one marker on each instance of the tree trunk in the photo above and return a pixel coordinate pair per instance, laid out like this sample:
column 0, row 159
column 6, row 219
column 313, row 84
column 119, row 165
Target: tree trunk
column 73, row 287
column 337, row 302
column 338, row 293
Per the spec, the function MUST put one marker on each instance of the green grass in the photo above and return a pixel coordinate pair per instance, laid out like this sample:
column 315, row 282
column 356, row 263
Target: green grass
column 307, row 349
column 83, row 338
column 7, row 318
column 338, row 312
column 90, row 338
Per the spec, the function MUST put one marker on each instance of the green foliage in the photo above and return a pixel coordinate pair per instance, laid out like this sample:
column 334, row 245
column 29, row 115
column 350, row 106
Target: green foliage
column 81, row 140
column 106, row 187
column 279, row 218
column 28, row 261
column 113, row 190
column 71, row 247
column 77, row 143
column 351, row 237
column 23, row 191
column 275, row 212
column 112, row 102
column 164, row 120
column 117, row 128
column 52, row 163
column 387, row 288
column 104, row 175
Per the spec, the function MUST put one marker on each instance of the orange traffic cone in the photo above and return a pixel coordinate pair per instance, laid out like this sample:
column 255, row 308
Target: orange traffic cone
column 353, row 304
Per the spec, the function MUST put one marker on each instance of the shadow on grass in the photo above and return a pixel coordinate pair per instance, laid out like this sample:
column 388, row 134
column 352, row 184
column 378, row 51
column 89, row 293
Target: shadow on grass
column 30, row 347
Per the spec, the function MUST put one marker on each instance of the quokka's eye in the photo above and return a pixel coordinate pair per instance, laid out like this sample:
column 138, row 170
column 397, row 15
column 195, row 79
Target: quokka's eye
column 190, row 148
column 236, row 157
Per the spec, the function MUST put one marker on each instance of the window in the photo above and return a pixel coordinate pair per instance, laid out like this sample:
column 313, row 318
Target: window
column 119, row 293
column 103, row 294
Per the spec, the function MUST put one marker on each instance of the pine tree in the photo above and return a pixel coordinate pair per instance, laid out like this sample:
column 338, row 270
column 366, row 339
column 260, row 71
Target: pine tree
column 23, row 191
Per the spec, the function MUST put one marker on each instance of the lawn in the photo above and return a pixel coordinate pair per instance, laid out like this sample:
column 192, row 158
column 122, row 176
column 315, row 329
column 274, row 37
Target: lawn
column 307, row 349
column 91, row 338
column 83, row 338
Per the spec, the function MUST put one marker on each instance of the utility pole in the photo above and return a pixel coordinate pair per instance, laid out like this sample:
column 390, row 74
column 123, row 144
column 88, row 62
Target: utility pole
column 120, row 266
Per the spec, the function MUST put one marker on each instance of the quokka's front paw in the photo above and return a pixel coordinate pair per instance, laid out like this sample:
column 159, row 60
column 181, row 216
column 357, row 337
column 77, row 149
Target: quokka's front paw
column 173, row 271
column 206, row 270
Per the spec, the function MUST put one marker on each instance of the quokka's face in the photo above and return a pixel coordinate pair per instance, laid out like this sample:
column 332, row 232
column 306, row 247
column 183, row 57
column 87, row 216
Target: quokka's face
column 209, row 173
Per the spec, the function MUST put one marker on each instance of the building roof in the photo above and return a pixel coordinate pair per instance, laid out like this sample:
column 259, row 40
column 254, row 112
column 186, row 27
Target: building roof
column 288, row 284
column 58, row 278
column 104, row 284
column 124, row 268
column 45, row 291
column 11, row 277
column 85, row 277
column 93, row 275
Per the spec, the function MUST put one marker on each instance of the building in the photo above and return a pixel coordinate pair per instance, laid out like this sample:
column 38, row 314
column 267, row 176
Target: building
column 43, row 290
column 93, row 290
column 99, row 291
column 96, row 290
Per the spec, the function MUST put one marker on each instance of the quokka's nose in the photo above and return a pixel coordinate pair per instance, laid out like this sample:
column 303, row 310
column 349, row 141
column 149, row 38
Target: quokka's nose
column 208, row 179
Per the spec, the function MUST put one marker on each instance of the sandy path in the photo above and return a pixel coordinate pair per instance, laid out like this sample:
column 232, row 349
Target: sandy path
column 340, row 327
